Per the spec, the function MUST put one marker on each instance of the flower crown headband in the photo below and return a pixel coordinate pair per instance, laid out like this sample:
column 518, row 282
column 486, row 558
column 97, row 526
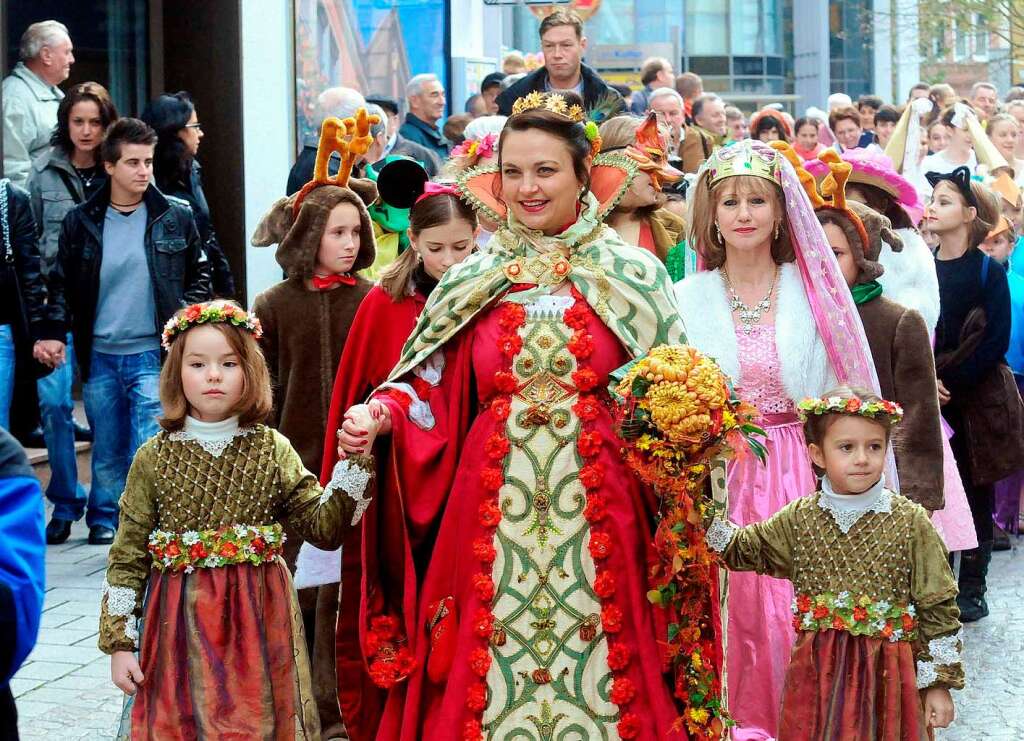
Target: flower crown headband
column 555, row 103
column 213, row 312
column 887, row 412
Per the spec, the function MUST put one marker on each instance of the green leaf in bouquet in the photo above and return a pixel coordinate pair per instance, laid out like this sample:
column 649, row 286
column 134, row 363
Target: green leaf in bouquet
column 616, row 376
column 640, row 387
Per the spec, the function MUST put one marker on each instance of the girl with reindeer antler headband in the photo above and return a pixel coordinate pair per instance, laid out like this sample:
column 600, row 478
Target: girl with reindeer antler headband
column 324, row 236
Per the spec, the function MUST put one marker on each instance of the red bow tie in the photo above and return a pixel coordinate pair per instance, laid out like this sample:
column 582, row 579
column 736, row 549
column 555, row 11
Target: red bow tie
column 329, row 281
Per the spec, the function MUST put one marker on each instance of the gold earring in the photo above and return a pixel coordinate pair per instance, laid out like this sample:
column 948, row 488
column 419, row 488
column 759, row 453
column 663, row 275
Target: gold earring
column 718, row 231
column 778, row 225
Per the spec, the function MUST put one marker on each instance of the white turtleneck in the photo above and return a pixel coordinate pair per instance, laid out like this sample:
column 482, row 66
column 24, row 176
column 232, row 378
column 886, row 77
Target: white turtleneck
column 846, row 509
column 211, row 431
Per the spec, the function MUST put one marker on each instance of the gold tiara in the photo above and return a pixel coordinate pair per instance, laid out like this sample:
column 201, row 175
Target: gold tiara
column 552, row 102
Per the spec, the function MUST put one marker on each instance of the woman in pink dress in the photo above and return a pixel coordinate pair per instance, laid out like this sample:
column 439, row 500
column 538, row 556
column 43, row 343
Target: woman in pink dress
column 773, row 310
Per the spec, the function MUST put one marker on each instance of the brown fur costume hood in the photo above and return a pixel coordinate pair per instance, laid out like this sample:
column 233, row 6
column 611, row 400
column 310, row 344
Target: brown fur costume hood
column 878, row 229
column 298, row 239
column 864, row 228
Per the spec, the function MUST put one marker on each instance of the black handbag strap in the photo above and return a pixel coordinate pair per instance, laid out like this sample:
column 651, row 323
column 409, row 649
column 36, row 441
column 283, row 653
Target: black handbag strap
column 69, row 185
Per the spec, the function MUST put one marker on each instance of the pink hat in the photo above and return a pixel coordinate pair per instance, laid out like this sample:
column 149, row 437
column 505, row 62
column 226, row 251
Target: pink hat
column 872, row 167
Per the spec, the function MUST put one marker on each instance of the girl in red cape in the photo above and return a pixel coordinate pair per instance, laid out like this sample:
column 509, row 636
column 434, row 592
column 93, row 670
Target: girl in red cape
column 505, row 554
column 442, row 233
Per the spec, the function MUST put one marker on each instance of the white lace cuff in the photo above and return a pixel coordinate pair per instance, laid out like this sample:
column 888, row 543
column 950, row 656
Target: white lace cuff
column 720, row 534
column 121, row 603
column 351, row 479
column 944, row 651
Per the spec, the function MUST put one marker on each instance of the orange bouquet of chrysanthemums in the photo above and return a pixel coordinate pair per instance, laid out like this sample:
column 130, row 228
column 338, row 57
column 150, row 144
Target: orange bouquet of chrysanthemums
column 677, row 414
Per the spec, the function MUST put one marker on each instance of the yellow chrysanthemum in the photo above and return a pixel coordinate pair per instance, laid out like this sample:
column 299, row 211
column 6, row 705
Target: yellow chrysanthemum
column 699, row 715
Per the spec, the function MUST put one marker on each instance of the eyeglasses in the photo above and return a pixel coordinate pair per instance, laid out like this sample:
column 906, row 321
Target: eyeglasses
column 192, row 126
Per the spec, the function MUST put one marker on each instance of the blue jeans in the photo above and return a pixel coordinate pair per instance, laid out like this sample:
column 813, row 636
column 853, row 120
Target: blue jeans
column 55, row 407
column 6, row 374
column 122, row 401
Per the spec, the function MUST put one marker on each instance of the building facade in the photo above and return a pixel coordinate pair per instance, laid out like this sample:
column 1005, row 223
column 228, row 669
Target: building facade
column 255, row 67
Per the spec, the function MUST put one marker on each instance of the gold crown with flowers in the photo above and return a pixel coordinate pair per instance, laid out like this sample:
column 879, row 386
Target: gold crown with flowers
column 552, row 102
column 744, row 157
column 555, row 103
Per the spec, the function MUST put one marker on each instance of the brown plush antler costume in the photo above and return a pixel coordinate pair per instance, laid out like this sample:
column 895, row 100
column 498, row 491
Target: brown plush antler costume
column 899, row 340
column 296, row 223
column 865, row 229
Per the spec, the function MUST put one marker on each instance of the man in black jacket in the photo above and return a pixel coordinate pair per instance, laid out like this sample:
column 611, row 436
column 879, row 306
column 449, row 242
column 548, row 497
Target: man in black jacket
column 398, row 144
column 128, row 259
column 563, row 44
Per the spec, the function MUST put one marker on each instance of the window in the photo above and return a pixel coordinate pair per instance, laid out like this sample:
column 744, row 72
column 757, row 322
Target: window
column 772, row 23
column 708, row 65
column 707, row 26
column 980, row 36
column 747, row 66
column 745, row 27
column 960, row 39
column 111, row 43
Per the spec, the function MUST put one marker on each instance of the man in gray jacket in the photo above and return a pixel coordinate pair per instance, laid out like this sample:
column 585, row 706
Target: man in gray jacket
column 31, row 96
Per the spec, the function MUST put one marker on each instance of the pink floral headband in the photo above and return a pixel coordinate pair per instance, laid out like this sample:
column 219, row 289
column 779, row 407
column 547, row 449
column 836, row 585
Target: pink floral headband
column 476, row 149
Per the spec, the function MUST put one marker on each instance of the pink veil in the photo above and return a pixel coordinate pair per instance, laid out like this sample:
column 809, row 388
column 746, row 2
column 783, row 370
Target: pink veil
column 835, row 314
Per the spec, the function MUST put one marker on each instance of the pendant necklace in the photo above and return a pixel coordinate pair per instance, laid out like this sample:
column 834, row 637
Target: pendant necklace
column 749, row 315
column 87, row 179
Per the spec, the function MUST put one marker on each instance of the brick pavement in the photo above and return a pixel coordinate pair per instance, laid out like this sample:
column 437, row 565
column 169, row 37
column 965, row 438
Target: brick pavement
column 64, row 690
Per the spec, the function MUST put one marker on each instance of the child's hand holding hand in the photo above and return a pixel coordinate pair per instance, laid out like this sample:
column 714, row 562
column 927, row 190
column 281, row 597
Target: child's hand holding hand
column 125, row 671
column 362, row 424
column 938, row 707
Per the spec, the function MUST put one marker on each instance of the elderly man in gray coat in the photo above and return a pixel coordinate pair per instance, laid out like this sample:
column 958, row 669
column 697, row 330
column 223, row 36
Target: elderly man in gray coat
column 31, row 96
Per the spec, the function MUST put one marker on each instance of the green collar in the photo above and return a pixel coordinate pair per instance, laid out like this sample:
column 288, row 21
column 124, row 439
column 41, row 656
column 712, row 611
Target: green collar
column 864, row 292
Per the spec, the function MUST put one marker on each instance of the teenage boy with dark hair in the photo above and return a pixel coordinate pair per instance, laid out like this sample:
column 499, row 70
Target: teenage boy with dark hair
column 128, row 259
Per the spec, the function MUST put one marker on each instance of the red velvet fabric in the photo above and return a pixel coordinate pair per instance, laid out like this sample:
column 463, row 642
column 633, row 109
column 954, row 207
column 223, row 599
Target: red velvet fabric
column 843, row 687
column 418, row 535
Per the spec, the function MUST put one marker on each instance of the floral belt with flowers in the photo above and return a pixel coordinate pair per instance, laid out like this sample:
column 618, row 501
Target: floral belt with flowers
column 230, row 545
column 861, row 616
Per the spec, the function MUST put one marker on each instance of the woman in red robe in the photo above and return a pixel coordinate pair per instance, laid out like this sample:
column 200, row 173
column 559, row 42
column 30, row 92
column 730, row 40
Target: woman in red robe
column 506, row 551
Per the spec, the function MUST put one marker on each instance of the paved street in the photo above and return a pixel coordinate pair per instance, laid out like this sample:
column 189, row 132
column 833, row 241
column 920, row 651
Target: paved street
column 64, row 691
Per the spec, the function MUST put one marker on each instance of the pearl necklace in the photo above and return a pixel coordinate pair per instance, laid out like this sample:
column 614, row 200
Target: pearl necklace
column 749, row 316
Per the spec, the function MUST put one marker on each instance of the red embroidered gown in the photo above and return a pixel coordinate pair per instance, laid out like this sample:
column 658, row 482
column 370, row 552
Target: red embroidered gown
column 506, row 551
